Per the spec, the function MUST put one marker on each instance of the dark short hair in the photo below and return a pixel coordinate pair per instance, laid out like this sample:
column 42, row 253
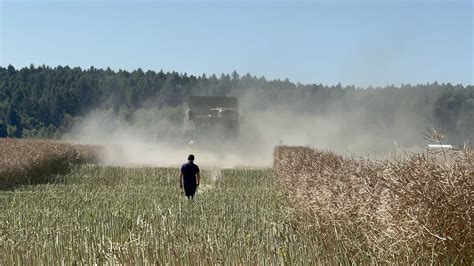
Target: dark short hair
column 191, row 157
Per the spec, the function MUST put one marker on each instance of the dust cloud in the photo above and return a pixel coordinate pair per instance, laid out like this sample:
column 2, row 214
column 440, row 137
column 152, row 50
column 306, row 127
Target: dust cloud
column 127, row 145
column 261, row 130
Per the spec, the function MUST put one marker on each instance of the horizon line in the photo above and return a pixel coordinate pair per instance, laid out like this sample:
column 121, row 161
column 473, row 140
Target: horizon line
column 218, row 75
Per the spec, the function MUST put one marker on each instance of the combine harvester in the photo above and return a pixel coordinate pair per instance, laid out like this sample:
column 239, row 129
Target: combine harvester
column 211, row 130
column 211, row 121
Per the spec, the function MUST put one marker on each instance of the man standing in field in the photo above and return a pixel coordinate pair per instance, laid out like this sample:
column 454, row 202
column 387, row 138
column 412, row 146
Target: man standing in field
column 190, row 177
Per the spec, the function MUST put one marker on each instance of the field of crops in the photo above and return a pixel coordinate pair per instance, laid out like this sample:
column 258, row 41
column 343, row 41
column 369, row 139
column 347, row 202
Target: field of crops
column 99, row 214
column 313, row 207
column 413, row 209
column 36, row 161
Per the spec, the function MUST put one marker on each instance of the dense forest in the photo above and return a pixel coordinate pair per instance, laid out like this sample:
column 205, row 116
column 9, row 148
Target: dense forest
column 46, row 101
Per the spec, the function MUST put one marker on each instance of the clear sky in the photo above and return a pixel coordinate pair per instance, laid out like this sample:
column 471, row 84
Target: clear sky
column 351, row 42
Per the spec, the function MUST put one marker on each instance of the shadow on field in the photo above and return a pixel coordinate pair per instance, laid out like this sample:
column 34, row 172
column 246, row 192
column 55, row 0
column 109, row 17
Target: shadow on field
column 53, row 174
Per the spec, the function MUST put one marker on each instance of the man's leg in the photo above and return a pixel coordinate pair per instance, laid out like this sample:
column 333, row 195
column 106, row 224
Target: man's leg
column 189, row 191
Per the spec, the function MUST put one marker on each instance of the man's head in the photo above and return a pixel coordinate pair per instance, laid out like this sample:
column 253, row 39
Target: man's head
column 191, row 157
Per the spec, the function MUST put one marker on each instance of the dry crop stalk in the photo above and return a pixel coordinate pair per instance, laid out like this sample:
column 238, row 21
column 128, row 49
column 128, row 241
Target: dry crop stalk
column 32, row 161
column 416, row 207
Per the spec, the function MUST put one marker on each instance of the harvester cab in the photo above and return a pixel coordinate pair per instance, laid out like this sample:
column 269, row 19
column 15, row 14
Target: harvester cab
column 210, row 119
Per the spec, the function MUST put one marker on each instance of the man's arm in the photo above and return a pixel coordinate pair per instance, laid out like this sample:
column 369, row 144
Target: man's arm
column 198, row 178
column 181, row 181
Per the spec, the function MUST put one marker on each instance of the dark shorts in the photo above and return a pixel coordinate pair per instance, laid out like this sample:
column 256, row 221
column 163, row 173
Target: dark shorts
column 190, row 190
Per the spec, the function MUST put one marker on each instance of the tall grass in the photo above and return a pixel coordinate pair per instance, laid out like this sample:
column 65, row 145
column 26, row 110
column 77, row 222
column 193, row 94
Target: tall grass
column 114, row 215
column 416, row 209
column 34, row 161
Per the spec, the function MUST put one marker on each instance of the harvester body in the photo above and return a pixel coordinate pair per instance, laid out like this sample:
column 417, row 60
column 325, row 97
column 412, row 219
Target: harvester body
column 211, row 119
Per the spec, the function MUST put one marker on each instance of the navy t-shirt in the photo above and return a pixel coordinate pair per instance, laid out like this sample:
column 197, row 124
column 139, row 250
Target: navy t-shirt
column 189, row 171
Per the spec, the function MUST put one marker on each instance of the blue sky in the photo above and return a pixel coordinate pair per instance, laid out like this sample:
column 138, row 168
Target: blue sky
column 351, row 42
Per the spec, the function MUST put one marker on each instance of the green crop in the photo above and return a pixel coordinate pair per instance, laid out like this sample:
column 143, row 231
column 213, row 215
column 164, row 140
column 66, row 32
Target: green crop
column 97, row 215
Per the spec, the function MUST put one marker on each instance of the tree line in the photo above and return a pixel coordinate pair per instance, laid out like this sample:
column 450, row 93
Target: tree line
column 43, row 101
